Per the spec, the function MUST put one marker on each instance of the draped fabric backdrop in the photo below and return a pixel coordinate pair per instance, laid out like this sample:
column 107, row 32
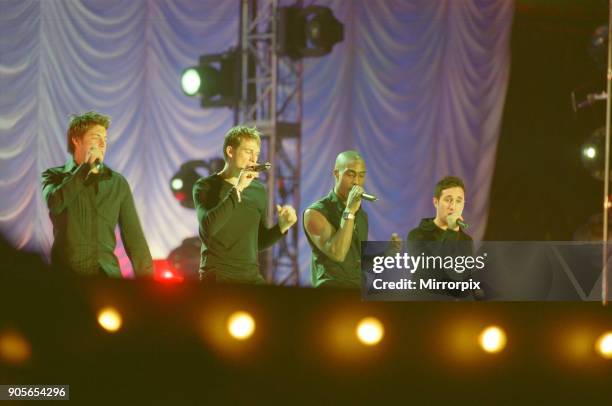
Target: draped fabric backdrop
column 417, row 87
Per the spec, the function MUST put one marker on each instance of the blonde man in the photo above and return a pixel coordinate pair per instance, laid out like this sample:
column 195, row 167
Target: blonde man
column 87, row 200
column 231, row 207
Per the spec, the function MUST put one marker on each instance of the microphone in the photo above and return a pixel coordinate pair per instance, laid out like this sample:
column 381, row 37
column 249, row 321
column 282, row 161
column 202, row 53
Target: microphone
column 369, row 197
column 463, row 224
column 97, row 164
column 259, row 167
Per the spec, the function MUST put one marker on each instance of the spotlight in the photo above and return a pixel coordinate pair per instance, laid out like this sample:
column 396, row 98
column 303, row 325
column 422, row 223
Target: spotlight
column 164, row 272
column 182, row 182
column 176, row 184
column 191, row 81
column 589, row 152
column 216, row 79
column 593, row 151
column 492, row 339
column 308, row 32
column 370, row 331
column 604, row 345
column 109, row 319
column 241, row 325
column 14, row 348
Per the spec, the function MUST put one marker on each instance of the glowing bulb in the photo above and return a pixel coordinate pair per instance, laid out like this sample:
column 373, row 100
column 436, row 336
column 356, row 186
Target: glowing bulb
column 109, row 319
column 370, row 331
column 191, row 81
column 241, row 325
column 493, row 339
column 177, row 184
column 604, row 345
column 14, row 348
column 590, row 152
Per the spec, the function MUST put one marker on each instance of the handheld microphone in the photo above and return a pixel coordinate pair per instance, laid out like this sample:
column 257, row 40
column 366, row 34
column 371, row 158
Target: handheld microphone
column 97, row 164
column 463, row 224
column 259, row 167
column 369, row 197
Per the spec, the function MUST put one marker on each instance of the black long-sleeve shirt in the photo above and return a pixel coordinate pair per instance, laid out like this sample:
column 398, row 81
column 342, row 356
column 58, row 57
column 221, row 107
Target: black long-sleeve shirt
column 430, row 240
column 85, row 211
column 232, row 232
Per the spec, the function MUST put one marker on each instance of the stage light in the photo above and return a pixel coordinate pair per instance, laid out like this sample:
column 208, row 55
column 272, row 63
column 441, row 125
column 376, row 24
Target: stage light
column 370, row 331
column 589, row 152
column 593, row 153
column 109, row 319
column 182, row 182
column 492, row 339
column 216, row 79
column 14, row 348
column 191, row 81
column 308, row 32
column 604, row 345
column 170, row 276
column 164, row 272
column 176, row 183
column 241, row 325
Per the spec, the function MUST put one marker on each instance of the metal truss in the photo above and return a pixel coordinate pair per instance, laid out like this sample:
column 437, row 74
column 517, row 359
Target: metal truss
column 271, row 100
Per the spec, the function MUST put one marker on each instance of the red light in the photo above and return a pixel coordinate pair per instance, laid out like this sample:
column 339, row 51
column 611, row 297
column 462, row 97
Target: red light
column 165, row 273
column 180, row 196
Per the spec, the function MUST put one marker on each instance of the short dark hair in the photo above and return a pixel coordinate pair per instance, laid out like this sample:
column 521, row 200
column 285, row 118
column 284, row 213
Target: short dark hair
column 235, row 135
column 448, row 182
column 80, row 123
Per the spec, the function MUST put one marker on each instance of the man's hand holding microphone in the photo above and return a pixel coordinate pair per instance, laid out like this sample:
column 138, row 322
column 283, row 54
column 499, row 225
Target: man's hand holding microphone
column 455, row 221
column 94, row 158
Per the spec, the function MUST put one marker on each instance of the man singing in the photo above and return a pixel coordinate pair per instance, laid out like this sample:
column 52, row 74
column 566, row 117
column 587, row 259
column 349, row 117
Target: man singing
column 336, row 225
column 86, row 201
column 442, row 235
column 448, row 200
column 231, row 208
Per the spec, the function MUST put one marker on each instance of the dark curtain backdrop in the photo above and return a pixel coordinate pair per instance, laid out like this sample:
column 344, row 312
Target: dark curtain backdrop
column 417, row 86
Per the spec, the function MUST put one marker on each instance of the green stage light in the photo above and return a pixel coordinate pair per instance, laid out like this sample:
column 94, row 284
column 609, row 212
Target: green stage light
column 191, row 81
column 177, row 184
column 216, row 79
column 188, row 174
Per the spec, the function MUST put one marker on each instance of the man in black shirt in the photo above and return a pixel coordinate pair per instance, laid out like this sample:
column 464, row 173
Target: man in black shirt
column 231, row 208
column 449, row 201
column 442, row 236
column 336, row 226
column 86, row 201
